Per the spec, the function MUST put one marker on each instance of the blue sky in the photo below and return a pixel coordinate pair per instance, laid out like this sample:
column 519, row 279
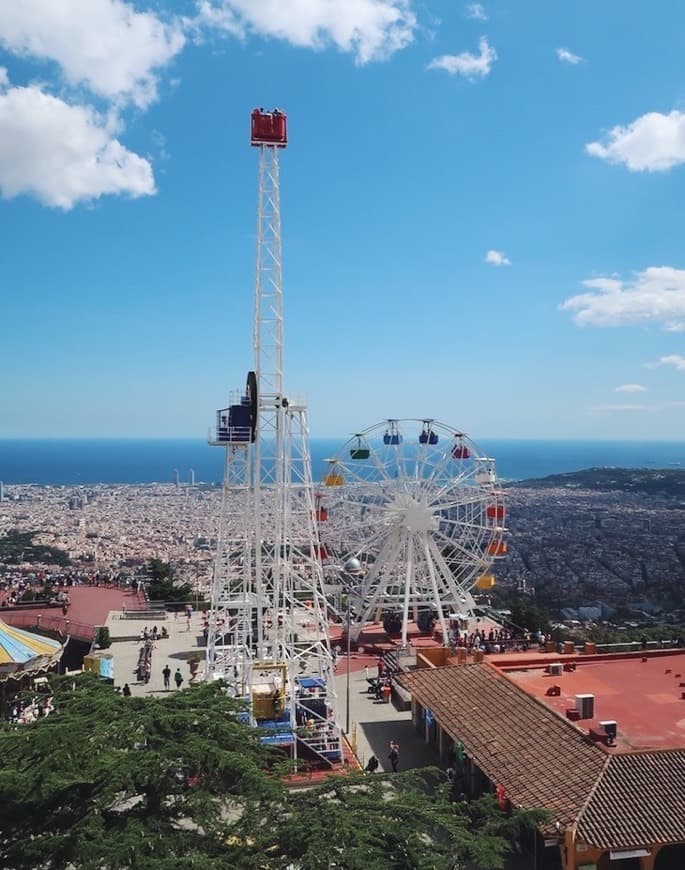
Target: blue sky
column 483, row 211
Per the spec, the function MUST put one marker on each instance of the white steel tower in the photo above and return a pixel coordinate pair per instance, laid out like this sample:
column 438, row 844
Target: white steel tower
column 268, row 632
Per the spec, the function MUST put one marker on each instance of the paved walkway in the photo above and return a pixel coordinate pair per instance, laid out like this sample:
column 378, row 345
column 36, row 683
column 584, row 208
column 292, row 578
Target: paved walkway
column 377, row 723
column 173, row 650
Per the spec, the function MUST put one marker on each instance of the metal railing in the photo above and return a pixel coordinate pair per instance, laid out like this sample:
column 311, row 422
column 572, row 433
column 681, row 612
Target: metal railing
column 636, row 645
column 63, row 624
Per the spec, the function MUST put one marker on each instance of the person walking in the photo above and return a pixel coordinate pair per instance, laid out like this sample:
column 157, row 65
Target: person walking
column 166, row 673
column 394, row 755
column 178, row 678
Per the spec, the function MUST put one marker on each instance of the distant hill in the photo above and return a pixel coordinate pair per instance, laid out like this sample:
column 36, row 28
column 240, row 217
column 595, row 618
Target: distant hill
column 650, row 481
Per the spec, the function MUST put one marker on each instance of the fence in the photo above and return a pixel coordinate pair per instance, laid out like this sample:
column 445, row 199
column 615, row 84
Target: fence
column 66, row 626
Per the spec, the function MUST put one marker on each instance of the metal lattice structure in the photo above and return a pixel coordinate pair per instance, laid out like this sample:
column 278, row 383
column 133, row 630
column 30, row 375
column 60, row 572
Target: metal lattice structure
column 412, row 512
column 268, row 632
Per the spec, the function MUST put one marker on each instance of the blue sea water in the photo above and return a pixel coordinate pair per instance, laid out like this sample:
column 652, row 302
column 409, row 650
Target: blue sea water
column 74, row 462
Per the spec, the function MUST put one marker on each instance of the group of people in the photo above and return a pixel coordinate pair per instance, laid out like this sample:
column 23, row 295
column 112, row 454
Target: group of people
column 23, row 712
column 498, row 640
column 373, row 764
column 153, row 635
column 148, row 640
column 380, row 686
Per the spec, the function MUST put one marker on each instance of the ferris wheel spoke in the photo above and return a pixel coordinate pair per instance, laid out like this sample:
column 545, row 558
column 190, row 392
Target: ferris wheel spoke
column 455, row 584
column 372, row 584
column 466, row 554
column 470, row 539
column 461, row 484
column 368, row 542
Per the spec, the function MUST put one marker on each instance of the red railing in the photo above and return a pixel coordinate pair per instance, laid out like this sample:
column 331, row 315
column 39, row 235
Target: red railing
column 62, row 624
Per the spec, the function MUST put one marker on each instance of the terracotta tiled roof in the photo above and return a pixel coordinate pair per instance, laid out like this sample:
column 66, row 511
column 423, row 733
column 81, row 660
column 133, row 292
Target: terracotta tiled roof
column 639, row 800
column 514, row 739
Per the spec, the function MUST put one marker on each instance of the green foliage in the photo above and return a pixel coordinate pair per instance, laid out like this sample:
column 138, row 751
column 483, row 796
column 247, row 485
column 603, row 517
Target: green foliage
column 104, row 781
column 162, row 586
column 108, row 782
column 381, row 822
column 525, row 614
column 18, row 547
column 103, row 639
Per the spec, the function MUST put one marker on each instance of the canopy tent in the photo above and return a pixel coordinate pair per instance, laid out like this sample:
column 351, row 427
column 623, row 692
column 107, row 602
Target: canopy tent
column 24, row 652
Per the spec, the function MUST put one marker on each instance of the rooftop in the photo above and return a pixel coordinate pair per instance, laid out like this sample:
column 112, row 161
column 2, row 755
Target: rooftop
column 643, row 694
column 518, row 740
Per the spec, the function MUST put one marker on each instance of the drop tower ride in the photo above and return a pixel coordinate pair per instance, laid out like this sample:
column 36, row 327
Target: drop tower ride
column 268, row 627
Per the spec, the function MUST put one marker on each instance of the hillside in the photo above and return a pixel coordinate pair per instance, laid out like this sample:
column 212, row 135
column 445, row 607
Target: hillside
column 647, row 481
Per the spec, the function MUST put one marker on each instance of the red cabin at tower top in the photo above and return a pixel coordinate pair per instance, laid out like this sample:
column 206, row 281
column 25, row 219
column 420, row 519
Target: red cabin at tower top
column 269, row 128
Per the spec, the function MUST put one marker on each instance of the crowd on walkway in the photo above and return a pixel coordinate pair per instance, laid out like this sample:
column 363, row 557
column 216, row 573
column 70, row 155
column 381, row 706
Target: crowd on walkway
column 499, row 640
column 143, row 670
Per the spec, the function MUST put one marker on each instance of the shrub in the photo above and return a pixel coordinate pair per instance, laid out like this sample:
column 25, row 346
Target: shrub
column 103, row 639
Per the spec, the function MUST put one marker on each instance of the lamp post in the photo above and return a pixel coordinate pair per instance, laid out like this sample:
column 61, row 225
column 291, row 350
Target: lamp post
column 347, row 684
column 346, row 583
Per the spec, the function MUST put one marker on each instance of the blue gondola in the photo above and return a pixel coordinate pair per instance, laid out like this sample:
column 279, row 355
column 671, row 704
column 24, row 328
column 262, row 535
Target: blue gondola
column 428, row 436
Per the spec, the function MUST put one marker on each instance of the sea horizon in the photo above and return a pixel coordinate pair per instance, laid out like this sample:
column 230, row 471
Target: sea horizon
column 89, row 461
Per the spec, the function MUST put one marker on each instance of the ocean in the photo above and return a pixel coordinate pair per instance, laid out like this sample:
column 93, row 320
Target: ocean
column 76, row 462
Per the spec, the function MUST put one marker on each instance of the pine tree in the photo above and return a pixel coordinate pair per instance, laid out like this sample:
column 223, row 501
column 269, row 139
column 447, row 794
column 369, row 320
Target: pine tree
column 179, row 781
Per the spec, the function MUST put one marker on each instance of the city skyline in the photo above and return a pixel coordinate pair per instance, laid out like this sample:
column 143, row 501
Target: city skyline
column 480, row 207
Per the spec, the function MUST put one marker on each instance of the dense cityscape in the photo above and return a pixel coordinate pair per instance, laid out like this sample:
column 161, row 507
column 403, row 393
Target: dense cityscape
column 583, row 554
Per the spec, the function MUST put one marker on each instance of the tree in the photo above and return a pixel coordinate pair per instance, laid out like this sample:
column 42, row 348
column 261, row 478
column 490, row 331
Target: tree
column 525, row 614
column 383, row 822
column 112, row 782
column 162, row 585
column 105, row 781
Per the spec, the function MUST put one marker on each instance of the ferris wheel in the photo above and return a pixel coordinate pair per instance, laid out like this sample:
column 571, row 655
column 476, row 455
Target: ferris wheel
column 411, row 517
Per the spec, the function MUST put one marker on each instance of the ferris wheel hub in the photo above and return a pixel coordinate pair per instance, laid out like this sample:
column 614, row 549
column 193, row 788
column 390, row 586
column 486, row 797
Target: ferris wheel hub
column 411, row 515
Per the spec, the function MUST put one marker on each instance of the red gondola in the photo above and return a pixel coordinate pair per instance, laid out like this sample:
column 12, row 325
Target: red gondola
column 269, row 128
column 497, row 548
column 461, row 451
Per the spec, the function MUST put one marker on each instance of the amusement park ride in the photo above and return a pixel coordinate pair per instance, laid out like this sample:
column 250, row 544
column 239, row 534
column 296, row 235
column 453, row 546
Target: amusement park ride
column 412, row 511
column 268, row 631
column 407, row 521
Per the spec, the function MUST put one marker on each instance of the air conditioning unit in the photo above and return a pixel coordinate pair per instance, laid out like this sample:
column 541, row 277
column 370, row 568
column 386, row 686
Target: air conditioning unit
column 556, row 669
column 585, row 704
column 610, row 727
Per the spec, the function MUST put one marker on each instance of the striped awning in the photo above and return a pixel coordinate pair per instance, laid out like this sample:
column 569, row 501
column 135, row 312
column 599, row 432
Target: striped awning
column 18, row 647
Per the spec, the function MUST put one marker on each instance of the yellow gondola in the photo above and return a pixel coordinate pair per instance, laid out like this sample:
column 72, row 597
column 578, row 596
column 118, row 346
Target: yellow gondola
column 485, row 581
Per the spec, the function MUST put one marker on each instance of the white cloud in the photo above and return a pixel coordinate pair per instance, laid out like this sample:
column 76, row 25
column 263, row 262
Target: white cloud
column 476, row 11
column 652, row 143
column 63, row 154
column 369, row 29
column 673, row 360
column 566, row 56
column 4, row 80
column 497, row 258
column 471, row 66
column 631, row 388
column 105, row 45
column 656, row 295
